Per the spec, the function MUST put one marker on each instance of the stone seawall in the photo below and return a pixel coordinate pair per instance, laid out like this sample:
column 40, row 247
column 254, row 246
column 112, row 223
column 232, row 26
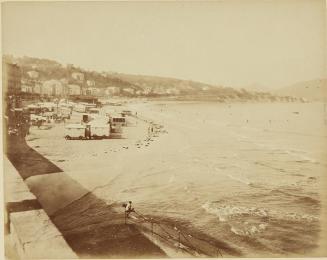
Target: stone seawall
column 29, row 231
column 47, row 201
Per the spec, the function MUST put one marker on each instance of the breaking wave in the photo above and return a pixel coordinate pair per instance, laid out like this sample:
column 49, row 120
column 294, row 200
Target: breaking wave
column 229, row 212
column 226, row 212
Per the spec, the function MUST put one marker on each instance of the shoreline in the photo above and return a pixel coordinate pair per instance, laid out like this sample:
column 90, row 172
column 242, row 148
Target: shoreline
column 65, row 214
column 126, row 170
column 64, row 210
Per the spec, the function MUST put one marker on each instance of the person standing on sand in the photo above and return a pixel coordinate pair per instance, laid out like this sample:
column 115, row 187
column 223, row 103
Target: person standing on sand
column 39, row 123
column 27, row 126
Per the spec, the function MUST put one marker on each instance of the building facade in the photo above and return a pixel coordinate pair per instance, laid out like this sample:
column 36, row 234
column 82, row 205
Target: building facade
column 33, row 74
column 90, row 83
column 111, row 91
column 11, row 78
column 74, row 89
column 78, row 76
column 52, row 88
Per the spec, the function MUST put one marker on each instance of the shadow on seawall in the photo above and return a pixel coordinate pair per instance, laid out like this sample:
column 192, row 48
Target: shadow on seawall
column 88, row 224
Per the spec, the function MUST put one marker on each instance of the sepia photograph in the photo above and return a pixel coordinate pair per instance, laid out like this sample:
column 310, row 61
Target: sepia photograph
column 164, row 129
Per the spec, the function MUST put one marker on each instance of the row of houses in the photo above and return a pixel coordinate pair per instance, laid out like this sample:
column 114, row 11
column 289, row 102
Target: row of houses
column 90, row 87
column 53, row 87
column 76, row 76
column 61, row 88
column 32, row 84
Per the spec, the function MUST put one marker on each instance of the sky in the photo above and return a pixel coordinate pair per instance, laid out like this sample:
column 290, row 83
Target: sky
column 233, row 43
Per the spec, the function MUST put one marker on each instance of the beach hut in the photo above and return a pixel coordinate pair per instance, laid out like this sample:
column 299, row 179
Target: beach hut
column 75, row 131
column 99, row 129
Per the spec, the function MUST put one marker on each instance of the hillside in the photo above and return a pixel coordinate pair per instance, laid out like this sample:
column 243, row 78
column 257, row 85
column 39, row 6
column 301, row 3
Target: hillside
column 49, row 70
column 43, row 70
column 310, row 90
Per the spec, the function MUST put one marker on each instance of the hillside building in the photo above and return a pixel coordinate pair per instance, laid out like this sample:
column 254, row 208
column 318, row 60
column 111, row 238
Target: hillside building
column 129, row 90
column 110, row 91
column 33, row 74
column 90, row 83
column 147, row 90
column 78, row 76
column 172, row 91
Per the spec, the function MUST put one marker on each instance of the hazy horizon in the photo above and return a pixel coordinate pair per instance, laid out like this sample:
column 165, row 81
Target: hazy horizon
column 262, row 43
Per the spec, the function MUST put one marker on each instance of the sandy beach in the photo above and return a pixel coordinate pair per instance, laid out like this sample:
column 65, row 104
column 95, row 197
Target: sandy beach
column 164, row 129
column 205, row 169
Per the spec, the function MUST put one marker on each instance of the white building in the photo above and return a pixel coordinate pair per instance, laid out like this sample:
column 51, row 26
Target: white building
column 129, row 90
column 111, row 91
column 52, row 88
column 58, row 90
column 64, row 81
column 159, row 91
column 33, row 74
column 90, row 83
column 37, row 88
column 138, row 92
column 74, row 89
column 173, row 91
column 46, row 90
column 147, row 90
column 96, row 91
column 93, row 91
column 27, row 88
column 78, row 76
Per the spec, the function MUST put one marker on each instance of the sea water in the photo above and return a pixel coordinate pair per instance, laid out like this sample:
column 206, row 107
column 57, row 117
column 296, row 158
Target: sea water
column 248, row 174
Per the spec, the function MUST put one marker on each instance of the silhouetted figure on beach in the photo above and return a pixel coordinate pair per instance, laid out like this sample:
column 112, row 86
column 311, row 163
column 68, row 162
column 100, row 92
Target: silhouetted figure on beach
column 38, row 123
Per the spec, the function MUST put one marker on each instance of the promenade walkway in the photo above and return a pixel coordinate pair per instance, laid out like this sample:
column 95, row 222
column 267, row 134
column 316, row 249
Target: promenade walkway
column 55, row 203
